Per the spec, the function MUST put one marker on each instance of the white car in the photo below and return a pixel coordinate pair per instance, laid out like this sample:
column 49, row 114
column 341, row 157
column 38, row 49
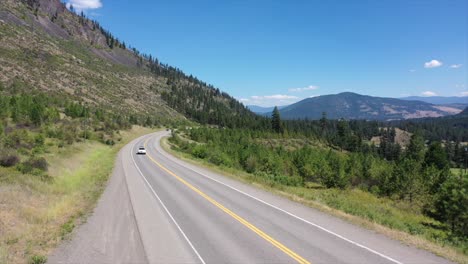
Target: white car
column 141, row 150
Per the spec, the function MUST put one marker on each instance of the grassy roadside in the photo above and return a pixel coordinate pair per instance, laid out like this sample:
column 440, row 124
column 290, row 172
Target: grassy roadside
column 384, row 216
column 36, row 214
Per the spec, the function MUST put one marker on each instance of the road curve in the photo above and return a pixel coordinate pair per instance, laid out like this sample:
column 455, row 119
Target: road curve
column 159, row 209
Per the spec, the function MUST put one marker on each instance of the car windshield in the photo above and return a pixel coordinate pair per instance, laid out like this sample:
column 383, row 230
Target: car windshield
column 141, row 148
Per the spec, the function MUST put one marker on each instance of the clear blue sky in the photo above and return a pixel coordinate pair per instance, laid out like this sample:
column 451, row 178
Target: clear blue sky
column 266, row 51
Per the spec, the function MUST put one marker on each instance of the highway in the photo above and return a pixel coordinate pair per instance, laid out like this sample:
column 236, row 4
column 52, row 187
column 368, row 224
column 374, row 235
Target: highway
column 159, row 209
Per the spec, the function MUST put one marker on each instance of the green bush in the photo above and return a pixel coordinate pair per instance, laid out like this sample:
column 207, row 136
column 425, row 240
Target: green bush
column 18, row 138
column 219, row 158
column 36, row 165
column 39, row 140
column 67, row 228
column 38, row 259
column 289, row 180
column 199, row 151
column 251, row 164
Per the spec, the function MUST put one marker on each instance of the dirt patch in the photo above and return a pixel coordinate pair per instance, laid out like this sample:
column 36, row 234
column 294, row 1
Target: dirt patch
column 448, row 109
column 402, row 137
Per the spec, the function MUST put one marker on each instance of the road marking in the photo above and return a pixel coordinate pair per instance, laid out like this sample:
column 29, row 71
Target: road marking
column 288, row 213
column 241, row 220
column 165, row 208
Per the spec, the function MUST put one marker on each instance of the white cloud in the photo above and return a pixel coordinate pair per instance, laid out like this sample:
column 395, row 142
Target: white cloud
column 433, row 64
column 459, row 86
column 244, row 100
column 463, row 94
column 429, row 93
column 308, row 88
column 456, row 66
column 81, row 5
column 275, row 96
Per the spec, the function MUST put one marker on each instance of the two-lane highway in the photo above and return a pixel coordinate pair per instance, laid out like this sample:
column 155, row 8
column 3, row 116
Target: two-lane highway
column 159, row 209
column 225, row 221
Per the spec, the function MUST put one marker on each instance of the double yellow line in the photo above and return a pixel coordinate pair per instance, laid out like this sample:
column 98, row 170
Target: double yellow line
column 241, row 220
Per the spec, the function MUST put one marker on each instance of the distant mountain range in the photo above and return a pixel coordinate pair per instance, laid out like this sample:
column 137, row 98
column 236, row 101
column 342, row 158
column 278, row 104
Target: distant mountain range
column 439, row 100
column 355, row 106
column 262, row 110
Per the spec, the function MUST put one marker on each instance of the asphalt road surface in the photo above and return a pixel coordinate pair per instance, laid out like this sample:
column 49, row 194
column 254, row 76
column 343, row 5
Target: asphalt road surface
column 159, row 209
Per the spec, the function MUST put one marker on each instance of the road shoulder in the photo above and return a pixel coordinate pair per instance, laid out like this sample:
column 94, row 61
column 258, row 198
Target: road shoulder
column 111, row 234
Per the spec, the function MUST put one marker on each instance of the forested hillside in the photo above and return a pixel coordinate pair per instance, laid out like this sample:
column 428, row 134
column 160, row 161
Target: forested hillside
column 450, row 128
column 47, row 48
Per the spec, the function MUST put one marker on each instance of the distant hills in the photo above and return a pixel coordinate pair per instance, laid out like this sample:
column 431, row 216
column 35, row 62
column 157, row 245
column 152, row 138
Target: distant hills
column 355, row 106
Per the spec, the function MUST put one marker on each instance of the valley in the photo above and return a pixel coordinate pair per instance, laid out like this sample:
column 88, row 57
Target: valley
column 337, row 178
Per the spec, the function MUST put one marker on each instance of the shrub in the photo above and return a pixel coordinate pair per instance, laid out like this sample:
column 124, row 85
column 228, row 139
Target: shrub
column 199, row 151
column 289, row 180
column 40, row 163
column 53, row 132
column 24, row 167
column 67, row 228
column 219, row 158
column 251, row 164
column 86, row 134
column 38, row 259
column 39, row 140
column 38, row 150
column 69, row 137
column 33, row 164
column 9, row 160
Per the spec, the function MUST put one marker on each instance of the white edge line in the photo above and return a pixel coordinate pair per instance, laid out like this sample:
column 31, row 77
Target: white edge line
column 286, row 212
column 165, row 208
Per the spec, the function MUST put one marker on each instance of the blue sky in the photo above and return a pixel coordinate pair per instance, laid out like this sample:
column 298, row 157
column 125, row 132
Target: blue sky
column 275, row 52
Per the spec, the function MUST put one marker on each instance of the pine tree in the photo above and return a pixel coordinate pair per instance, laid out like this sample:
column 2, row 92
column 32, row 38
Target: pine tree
column 323, row 122
column 436, row 156
column 36, row 114
column 416, row 148
column 451, row 205
column 276, row 121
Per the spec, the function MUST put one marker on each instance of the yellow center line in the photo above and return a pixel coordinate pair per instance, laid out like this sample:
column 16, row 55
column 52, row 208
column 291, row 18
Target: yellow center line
column 259, row 232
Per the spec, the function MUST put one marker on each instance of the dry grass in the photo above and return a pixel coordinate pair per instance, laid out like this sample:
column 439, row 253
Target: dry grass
column 35, row 215
column 69, row 67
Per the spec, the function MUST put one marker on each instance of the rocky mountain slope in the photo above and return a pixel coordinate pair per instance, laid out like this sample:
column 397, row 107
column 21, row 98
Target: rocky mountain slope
column 45, row 47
